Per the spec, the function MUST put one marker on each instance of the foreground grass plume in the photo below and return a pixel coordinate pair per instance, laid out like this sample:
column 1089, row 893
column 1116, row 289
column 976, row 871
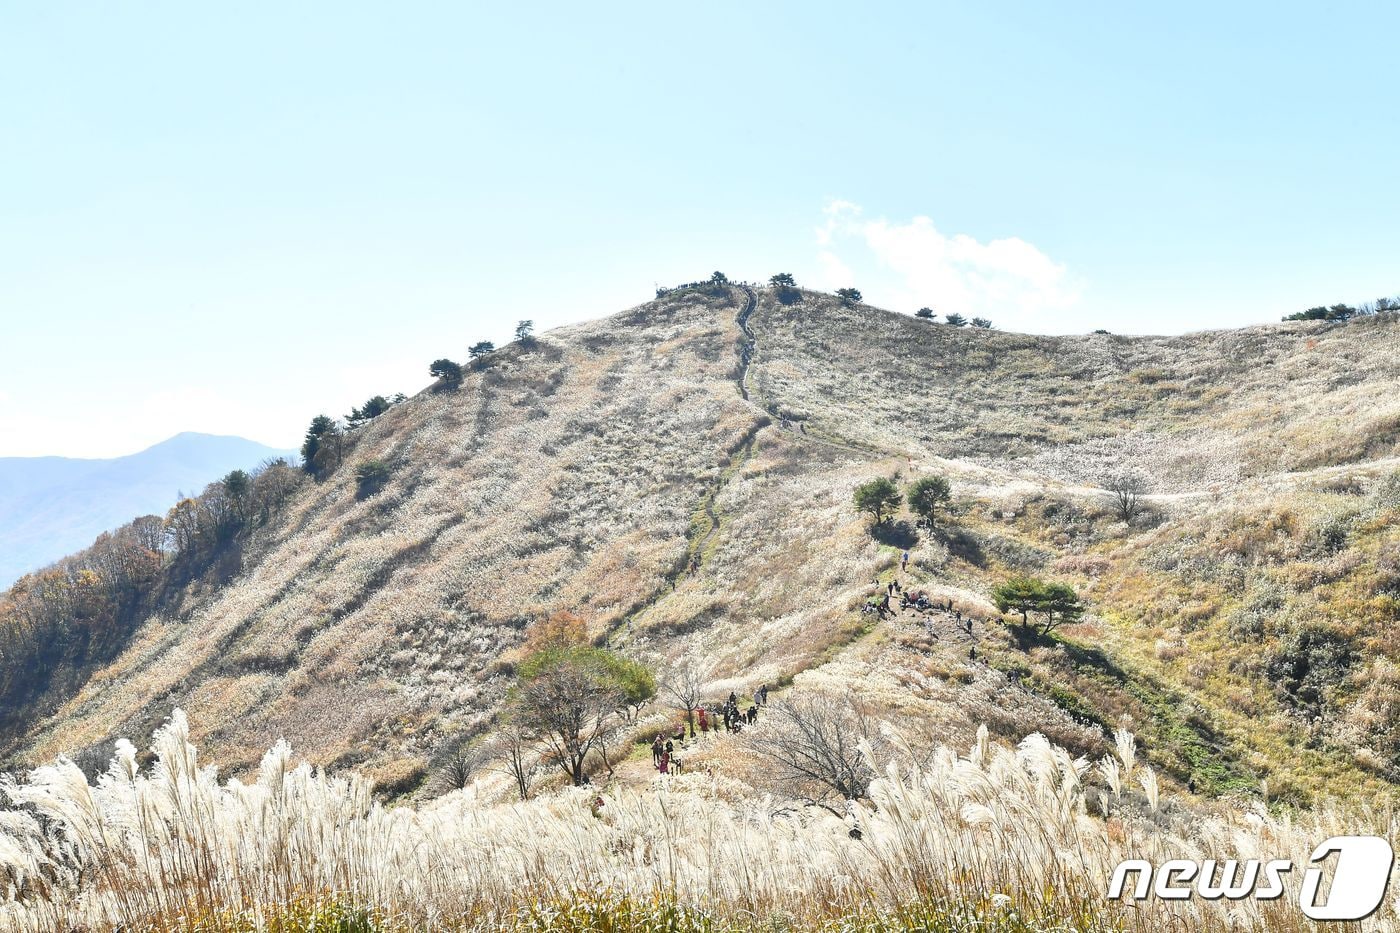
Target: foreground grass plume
column 1013, row 839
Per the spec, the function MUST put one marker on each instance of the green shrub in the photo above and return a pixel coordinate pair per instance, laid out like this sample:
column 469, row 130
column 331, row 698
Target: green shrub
column 1308, row 664
column 370, row 477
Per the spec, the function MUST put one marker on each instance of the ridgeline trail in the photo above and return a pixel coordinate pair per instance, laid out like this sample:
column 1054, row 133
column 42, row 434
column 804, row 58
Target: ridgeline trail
column 750, row 341
column 706, row 522
column 705, row 525
column 746, row 356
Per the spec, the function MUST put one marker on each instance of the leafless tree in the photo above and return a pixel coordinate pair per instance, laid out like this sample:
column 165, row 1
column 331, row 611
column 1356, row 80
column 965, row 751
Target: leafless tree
column 683, row 691
column 273, row 482
column 459, row 770
column 810, row 748
column 572, row 707
column 217, row 508
column 1127, row 488
column 513, row 754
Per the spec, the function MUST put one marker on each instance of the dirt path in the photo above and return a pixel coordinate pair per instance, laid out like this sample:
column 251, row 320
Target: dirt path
column 750, row 341
column 796, row 429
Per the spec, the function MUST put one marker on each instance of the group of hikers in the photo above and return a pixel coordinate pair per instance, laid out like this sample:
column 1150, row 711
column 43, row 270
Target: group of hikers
column 705, row 719
column 882, row 602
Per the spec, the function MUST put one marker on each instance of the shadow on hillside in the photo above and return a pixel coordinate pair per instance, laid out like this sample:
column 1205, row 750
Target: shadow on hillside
column 1026, row 636
column 1189, row 747
column 898, row 534
column 965, row 545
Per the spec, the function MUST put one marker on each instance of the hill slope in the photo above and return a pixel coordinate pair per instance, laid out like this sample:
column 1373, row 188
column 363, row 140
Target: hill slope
column 52, row 506
column 618, row 471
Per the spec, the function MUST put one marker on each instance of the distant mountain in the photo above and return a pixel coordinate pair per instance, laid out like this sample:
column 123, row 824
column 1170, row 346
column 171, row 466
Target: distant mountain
column 52, row 506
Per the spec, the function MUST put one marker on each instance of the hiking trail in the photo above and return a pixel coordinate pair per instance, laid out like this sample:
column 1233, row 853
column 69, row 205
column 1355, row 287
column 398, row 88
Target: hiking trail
column 750, row 341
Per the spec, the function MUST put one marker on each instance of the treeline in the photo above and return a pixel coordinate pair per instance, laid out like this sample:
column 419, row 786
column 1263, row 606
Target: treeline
column 56, row 624
column 1345, row 312
column 328, row 441
column 716, row 286
column 449, row 373
column 955, row 319
column 785, row 288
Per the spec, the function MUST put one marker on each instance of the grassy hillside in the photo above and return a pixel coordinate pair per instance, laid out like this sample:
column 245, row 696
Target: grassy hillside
column 614, row 470
column 697, row 513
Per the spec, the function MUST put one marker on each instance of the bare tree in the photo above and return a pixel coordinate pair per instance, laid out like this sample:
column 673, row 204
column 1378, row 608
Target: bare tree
column 459, row 769
column 572, row 706
column 1127, row 488
column 683, row 691
column 811, row 749
column 513, row 754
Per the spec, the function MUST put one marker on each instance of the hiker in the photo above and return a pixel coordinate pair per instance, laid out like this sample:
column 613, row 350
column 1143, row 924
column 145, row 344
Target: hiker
column 670, row 750
column 904, row 561
column 753, row 714
column 762, row 695
column 656, row 749
column 665, row 764
column 704, row 720
column 968, row 624
column 680, row 733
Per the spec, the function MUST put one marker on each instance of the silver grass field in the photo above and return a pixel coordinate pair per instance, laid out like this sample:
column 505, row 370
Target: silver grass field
column 983, row 838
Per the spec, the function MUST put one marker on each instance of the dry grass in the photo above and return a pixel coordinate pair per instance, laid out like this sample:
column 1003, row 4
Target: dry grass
column 1022, row 838
column 1192, row 410
column 588, row 473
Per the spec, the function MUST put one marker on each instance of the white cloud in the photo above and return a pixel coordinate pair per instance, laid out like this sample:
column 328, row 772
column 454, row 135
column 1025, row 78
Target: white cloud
column 1004, row 279
column 835, row 273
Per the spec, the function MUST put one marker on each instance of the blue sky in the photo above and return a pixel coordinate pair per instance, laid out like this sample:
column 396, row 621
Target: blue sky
column 229, row 219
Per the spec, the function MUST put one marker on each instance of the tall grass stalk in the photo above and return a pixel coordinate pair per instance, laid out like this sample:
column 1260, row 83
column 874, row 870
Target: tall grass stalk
column 995, row 839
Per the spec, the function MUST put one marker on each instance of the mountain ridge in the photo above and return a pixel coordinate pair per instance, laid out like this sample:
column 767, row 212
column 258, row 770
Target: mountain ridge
column 615, row 470
column 51, row 506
